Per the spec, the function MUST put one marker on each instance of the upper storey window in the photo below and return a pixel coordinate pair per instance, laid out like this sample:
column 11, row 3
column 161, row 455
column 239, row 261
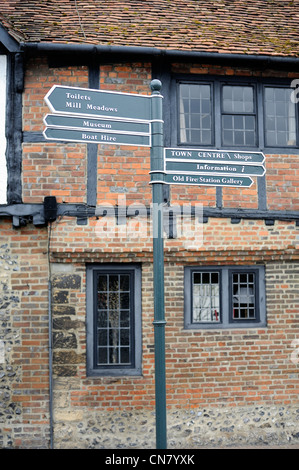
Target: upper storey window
column 238, row 119
column 236, row 114
column 280, row 117
column 196, row 113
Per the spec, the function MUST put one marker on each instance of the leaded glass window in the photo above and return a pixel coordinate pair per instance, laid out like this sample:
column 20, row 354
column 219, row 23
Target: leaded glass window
column 113, row 319
column 206, row 301
column 114, row 332
column 280, row 117
column 195, row 114
column 247, row 112
column 224, row 296
column 238, row 116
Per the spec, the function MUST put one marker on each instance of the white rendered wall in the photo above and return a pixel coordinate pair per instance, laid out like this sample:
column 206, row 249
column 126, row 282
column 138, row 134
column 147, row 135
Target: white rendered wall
column 3, row 171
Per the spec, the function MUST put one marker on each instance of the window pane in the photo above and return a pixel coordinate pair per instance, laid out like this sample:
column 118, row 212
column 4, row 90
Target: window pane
column 238, row 130
column 113, row 319
column 237, row 99
column 206, row 303
column 124, row 282
column 280, row 117
column 195, row 113
column 243, row 295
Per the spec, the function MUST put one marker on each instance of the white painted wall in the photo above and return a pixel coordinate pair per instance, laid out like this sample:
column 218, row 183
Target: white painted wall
column 3, row 171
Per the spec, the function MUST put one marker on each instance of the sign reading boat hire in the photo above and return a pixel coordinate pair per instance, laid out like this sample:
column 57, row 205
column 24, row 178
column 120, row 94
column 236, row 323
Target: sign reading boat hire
column 76, row 135
column 89, row 102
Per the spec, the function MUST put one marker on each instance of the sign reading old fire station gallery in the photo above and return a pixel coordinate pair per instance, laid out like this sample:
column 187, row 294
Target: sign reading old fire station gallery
column 212, row 167
column 97, row 116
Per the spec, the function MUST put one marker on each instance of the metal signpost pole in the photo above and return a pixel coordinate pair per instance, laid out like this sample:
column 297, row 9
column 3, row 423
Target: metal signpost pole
column 157, row 178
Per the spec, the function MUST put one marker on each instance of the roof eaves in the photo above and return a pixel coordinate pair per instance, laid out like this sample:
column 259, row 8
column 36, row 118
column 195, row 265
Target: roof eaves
column 8, row 41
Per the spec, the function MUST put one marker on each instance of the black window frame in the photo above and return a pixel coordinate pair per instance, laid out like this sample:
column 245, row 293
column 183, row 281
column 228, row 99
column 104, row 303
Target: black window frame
column 253, row 113
column 202, row 82
column 135, row 366
column 225, row 293
column 217, row 83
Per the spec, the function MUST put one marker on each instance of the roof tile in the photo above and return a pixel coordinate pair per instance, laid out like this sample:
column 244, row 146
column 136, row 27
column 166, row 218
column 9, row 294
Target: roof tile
column 239, row 26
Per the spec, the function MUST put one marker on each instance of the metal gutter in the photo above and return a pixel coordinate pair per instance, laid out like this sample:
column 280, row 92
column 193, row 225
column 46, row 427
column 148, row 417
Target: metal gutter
column 34, row 48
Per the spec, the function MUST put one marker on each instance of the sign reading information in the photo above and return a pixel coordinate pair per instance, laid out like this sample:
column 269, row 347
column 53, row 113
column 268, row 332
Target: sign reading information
column 214, row 168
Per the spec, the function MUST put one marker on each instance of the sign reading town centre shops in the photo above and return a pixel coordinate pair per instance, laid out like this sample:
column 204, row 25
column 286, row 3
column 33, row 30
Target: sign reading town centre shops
column 212, row 167
column 97, row 116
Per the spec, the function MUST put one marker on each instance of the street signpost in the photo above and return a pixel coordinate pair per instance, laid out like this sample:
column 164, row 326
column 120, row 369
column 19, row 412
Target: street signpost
column 158, row 263
column 95, row 116
column 104, row 117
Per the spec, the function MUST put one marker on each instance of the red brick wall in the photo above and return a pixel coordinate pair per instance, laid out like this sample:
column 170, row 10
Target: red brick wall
column 51, row 169
column 60, row 169
column 204, row 368
column 24, row 330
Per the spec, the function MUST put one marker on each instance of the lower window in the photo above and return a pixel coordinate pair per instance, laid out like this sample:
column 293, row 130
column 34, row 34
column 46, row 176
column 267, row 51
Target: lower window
column 222, row 297
column 113, row 320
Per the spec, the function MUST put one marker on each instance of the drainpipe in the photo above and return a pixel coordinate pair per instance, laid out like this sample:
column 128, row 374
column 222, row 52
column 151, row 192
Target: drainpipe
column 50, row 359
column 50, row 211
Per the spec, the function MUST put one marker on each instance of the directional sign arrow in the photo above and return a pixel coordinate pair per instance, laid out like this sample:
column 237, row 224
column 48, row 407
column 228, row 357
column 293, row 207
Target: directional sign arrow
column 76, row 135
column 89, row 102
column 96, row 125
column 201, row 179
column 233, row 156
column 214, row 168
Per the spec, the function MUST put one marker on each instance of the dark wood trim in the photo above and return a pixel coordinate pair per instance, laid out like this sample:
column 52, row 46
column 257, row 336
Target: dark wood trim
column 15, row 83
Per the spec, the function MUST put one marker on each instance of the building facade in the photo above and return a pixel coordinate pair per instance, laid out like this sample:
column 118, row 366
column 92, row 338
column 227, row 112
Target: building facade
column 77, row 346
